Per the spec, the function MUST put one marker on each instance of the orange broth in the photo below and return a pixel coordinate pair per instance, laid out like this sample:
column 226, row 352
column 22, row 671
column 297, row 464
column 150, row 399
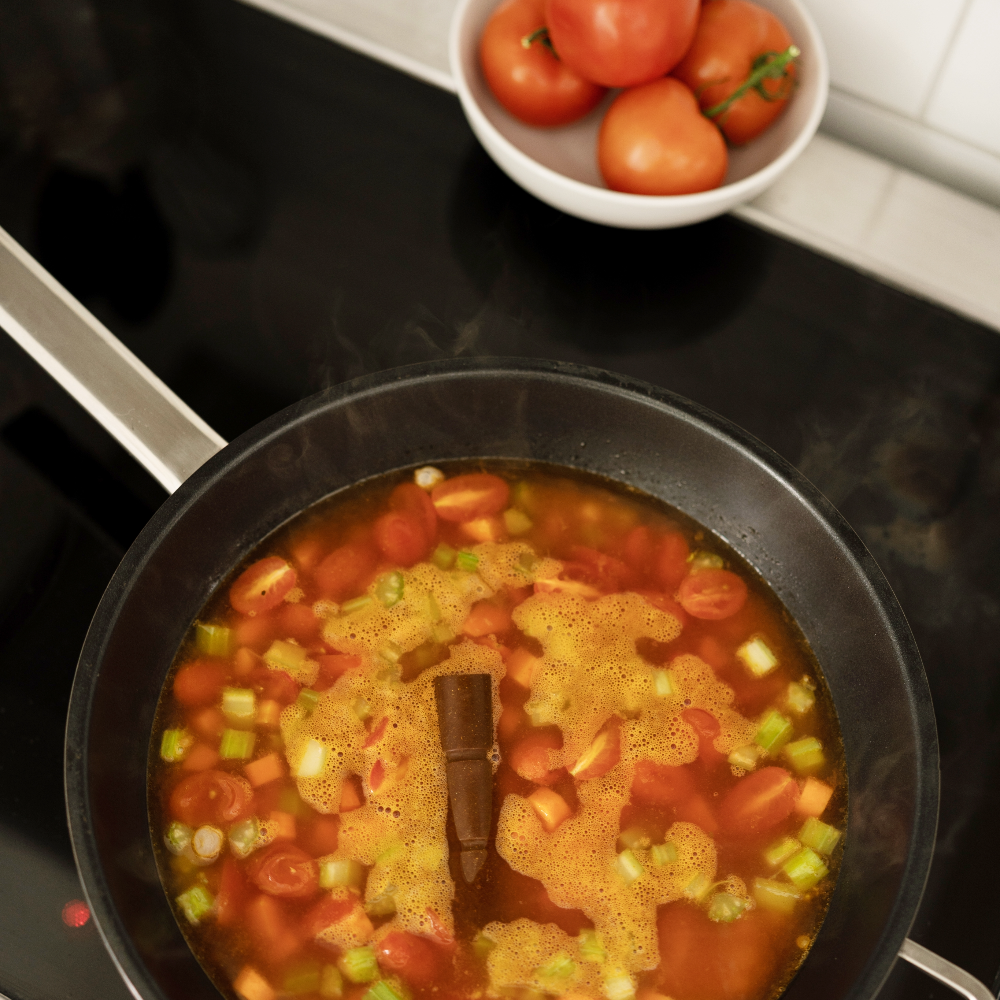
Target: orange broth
column 669, row 786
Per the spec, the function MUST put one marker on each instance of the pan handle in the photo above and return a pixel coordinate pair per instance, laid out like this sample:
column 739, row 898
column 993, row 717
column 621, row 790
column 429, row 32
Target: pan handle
column 161, row 431
column 944, row 971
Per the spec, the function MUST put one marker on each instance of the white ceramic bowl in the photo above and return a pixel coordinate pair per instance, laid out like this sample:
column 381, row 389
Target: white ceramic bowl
column 560, row 165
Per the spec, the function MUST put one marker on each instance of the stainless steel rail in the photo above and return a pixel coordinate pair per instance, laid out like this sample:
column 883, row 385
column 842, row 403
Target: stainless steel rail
column 166, row 436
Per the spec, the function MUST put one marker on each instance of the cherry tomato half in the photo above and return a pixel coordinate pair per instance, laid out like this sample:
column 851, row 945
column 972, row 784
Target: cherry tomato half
column 759, row 801
column 211, row 797
column 345, row 571
column 401, row 538
column 731, row 35
column 200, row 682
column 712, row 594
column 661, row 784
column 671, row 560
column 707, row 727
column 262, row 586
column 465, row 498
column 530, row 82
column 621, row 43
column 411, row 498
column 411, row 957
column 654, row 140
column 284, row 870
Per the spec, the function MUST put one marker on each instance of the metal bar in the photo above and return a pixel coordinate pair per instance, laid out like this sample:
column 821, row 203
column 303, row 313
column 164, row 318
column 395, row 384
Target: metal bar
column 944, row 971
column 150, row 421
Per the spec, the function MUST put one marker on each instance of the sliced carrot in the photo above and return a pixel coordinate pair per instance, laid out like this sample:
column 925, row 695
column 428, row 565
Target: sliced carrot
column 209, row 723
column 270, row 928
column 284, row 825
column 486, row 619
column 264, row 770
column 813, row 799
column 268, row 712
column 350, row 795
column 201, row 757
column 484, row 529
column 245, row 662
column 550, row 808
column 251, row 985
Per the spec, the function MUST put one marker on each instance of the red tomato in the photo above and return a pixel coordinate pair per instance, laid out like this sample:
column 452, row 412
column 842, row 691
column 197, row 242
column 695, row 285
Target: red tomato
column 232, row 894
column 326, row 913
column 401, row 538
column 638, row 549
column 707, row 727
column 284, row 870
column 654, row 140
column 530, row 757
column 411, row 498
column 272, row 929
column 759, row 801
column 437, row 931
column 200, row 683
column 486, row 619
column 697, row 810
column 211, row 797
column 661, row 784
column 731, row 35
column 531, row 83
column 280, row 687
column 465, row 498
column 413, row 958
column 321, row 835
column 262, row 586
column 345, row 570
column 602, row 755
column 671, row 560
column 712, row 594
column 257, row 633
column 297, row 621
column 621, row 43
column 602, row 570
column 713, row 961
column 332, row 666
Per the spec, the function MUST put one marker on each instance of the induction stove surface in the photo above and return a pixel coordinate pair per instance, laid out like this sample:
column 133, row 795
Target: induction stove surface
column 259, row 214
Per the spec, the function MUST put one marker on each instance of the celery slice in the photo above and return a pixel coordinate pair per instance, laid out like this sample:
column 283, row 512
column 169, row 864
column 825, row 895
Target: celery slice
column 303, row 978
column 467, row 561
column 698, row 888
column 178, row 838
column 775, row 731
column 805, row 755
column 663, row 854
column 389, row 588
column 442, row 633
column 634, row 838
column 243, row 837
column 383, row 991
column 239, row 704
column 391, row 652
column 628, row 866
column 700, row 559
column 307, row 700
column 757, row 657
column 206, row 843
column 287, row 656
column 664, row 684
column 482, row 946
column 818, row 835
column 443, row 556
column 777, row 854
column 362, row 709
column 805, row 869
column 212, row 640
column 724, row 908
column 428, row 477
column 516, row 521
column 527, row 562
column 359, row 965
column 343, row 872
column 800, row 698
column 618, row 985
column 745, row 757
column 313, row 760
column 591, row 946
column 331, row 983
column 777, row 896
column 175, row 744
column 433, row 608
column 559, row 966
column 384, row 904
column 545, row 710
column 196, row 903
column 237, row 744
column 355, row 604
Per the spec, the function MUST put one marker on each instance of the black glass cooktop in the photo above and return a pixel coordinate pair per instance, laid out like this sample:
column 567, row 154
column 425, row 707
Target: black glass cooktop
column 258, row 214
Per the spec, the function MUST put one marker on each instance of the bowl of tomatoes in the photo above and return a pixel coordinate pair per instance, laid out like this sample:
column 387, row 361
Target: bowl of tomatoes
column 642, row 114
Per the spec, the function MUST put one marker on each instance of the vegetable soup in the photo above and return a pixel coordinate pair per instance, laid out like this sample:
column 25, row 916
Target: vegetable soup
column 654, row 807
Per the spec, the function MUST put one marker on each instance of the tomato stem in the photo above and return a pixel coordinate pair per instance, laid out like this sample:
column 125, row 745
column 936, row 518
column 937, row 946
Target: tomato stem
column 540, row 35
column 767, row 66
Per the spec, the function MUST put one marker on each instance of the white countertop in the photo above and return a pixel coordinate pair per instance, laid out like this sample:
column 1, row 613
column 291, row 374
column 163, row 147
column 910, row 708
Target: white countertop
column 907, row 230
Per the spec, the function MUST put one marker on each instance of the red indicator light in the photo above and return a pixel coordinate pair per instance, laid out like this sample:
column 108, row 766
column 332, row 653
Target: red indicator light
column 75, row 913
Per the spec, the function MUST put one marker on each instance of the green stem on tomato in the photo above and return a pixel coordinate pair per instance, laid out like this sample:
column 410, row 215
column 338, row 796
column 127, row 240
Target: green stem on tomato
column 540, row 35
column 767, row 66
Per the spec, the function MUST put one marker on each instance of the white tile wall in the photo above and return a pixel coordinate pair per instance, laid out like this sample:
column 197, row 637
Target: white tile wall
column 965, row 102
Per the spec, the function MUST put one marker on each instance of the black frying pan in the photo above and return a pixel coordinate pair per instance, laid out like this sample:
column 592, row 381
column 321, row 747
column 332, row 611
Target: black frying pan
column 586, row 419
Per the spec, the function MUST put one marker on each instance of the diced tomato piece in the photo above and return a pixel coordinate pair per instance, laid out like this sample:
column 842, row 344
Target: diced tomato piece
column 251, row 985
column 246, row 661
column 327, row 912
column 262, row 586
column 256, row 633
column 523, row 667
column 413, row 958
column 713, row 961
column 209, row 723
column 550, row 808
column 232, row 894
column 350, row 795
column 332, row 666
column 413, row 500
column 666, row 603
column 378, row 731
column 712, row 594
column 211, row 797
column 284, row 870
column 200, row 682
column 491, row 642
column 601, row 569
column 438, row 931
column 401, row 538
column 320, row 835
column 278, row 686
column 671, row 565
column 529, row 757
column 661, row 784
column 697, row 810
column 813, row 799
column 639, row 548
column 265, row 770
column 464, row 498
column 345, row 571
column 200, row 757
column 297, row 621
column 602, row 755
column 283, row 824
column 272, row 929
column 759, row 801
column 707, row 727
column 377, row 776
column 560, row 586
column 486, row 618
